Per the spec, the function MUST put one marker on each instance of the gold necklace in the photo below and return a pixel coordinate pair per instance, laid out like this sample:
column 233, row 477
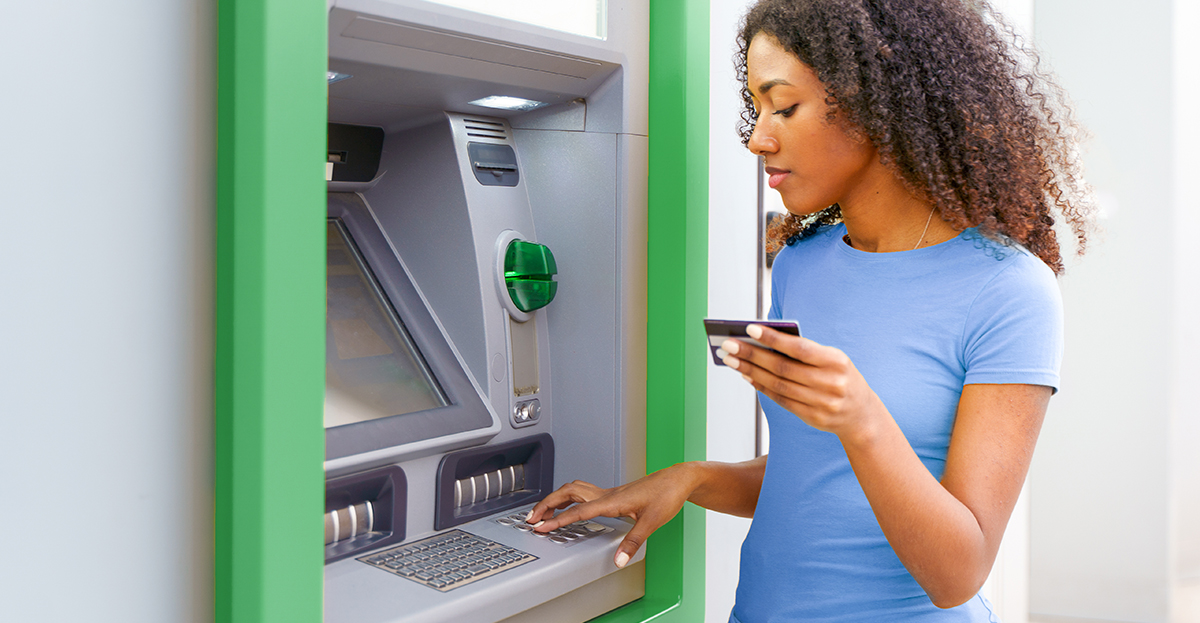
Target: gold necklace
column 926, row 230
column 846, row 236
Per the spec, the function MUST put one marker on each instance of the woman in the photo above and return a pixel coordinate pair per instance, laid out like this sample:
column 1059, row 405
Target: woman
column 920, row 162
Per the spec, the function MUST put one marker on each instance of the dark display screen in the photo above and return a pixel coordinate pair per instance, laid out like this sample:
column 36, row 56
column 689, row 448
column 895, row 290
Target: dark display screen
column 372, row 367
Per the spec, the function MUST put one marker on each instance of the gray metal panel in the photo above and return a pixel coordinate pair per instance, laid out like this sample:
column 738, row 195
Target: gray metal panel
column 441, row 41
column 571, row 116
column 633, row 158
column 358, row 593
column 450, row 229
column 571, row 177
column 417, row 66
column 591, row 600
column 606, row 104
column 534, row 62
column 450, row 246
column 420, row 201
column 497, row 215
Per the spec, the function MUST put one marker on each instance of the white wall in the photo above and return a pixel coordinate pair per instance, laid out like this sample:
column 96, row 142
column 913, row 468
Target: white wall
column 1114, row 483
column 1185, row 426
column 732, row 290
column 106, row 171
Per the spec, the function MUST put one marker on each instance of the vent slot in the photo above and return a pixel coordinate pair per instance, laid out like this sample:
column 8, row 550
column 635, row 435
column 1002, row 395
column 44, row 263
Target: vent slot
column 485, row 129
column 503, row 137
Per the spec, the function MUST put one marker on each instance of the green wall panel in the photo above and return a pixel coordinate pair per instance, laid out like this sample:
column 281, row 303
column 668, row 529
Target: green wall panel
column 270, row 331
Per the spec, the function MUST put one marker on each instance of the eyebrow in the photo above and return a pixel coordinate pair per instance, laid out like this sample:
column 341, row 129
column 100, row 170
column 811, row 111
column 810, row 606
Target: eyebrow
column 770, row 84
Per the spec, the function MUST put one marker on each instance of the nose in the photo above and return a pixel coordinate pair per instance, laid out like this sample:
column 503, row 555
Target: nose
column 761, row 142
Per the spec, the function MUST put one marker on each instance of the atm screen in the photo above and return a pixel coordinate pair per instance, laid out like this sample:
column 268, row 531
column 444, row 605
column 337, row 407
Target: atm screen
column 372, row 367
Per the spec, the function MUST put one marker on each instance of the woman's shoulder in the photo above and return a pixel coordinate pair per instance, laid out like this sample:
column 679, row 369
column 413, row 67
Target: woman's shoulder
column 1010, row 275
column 1002, row 258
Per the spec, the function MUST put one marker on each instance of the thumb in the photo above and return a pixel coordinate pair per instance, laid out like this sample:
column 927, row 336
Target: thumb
column 632, row 543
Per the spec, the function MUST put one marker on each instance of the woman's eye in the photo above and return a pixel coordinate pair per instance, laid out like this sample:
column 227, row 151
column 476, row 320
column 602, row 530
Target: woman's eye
column 787, row 112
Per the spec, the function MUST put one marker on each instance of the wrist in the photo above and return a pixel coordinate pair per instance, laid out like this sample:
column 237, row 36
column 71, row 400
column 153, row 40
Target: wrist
column 689, row 475
column 869, row 428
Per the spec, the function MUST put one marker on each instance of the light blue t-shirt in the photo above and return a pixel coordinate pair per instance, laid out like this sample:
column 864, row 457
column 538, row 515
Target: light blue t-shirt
column 918, row 325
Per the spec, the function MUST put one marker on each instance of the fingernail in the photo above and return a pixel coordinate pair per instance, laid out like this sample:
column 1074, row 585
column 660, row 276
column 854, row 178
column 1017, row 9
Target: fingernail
column 732, row 362
column 730, row 346
column 748, row 379
column 529, row 516
column 754, row 331
column 538, row 523
column 622, row 560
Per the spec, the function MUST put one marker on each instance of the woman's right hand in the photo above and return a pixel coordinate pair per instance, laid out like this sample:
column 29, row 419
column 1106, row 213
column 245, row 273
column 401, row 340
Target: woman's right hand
column 650, row 501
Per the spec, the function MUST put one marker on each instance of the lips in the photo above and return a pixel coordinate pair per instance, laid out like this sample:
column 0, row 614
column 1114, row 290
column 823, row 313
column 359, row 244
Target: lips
column 776, row 175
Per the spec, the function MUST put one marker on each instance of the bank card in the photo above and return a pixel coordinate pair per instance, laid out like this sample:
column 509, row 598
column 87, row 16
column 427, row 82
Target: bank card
column 720, row 330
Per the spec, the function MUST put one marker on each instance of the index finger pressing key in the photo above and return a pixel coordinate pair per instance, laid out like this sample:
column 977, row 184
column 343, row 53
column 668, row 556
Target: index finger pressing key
column 568, row 516
column 557, row 499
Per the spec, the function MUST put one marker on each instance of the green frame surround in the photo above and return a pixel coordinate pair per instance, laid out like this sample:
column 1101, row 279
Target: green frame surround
column 270, row 316
column 270, row 299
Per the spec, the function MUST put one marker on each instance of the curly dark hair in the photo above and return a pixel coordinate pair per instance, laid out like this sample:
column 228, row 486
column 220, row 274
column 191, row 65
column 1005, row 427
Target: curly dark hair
column 954, row 103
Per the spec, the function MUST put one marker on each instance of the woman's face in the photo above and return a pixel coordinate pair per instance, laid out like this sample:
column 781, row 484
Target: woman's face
column 812, row 162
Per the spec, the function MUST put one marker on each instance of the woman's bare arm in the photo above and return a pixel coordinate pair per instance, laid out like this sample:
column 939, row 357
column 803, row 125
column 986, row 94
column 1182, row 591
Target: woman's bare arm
column 653, row 500
column 947, row 533
column 730, row 488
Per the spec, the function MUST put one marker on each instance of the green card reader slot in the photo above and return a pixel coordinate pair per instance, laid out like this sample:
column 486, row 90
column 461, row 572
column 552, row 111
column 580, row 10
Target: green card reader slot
column 529, row 270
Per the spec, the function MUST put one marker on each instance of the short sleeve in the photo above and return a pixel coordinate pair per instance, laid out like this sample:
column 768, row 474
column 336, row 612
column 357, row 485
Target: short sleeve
column 1014, row 329
column 774, row 313
column 779, row 272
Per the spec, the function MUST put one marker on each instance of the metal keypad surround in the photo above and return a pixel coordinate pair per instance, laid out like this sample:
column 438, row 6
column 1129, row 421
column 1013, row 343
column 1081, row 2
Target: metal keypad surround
column 449, row 560
column 566, row 536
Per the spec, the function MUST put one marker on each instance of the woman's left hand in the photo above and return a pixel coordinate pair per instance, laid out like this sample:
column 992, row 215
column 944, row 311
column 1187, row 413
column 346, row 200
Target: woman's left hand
column 818, row 383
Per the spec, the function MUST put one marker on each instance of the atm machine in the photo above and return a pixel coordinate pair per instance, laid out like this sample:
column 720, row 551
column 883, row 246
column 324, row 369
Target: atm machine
column 485, row 311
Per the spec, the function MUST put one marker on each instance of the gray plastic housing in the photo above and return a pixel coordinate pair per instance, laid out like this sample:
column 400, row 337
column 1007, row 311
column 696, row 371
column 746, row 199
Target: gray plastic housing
column 581, row 190
column 448, row 227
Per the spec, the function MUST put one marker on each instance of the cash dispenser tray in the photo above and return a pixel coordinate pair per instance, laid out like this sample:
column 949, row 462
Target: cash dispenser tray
column 364, row 511
column 482, row 481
